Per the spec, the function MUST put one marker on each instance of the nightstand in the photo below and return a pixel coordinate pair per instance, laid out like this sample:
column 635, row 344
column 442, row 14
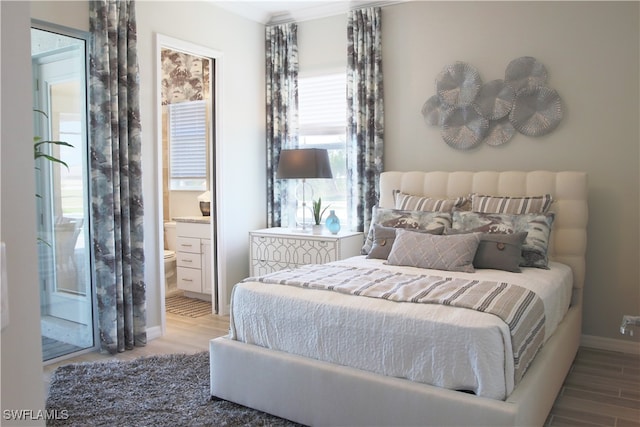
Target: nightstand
column 273, row 249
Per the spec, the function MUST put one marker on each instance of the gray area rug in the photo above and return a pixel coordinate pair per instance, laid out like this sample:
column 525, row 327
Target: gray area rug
column 166, row 390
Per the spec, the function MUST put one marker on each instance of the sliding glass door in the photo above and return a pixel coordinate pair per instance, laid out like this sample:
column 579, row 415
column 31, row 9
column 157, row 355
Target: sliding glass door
column 62, row 191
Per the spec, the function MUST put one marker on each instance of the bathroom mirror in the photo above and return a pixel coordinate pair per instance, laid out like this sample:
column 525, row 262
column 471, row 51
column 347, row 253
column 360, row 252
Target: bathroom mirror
column 187, row 106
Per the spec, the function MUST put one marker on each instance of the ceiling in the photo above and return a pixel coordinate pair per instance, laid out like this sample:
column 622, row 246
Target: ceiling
column 277, row 12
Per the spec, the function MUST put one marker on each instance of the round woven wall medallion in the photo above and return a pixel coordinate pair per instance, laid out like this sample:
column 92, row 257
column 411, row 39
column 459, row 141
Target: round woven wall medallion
column 432, row 111
column 500, row 131
column 458, row 84
column 464, row 128
column 525, row 72
column 494, row 100
column 536, row 111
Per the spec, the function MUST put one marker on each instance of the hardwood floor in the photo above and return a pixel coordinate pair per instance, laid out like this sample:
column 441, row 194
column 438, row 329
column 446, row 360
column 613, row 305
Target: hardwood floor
column 602, row 388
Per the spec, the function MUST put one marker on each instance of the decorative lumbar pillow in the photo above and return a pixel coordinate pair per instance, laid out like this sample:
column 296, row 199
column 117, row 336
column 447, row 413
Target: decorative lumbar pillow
column 409, row 202
column 450, row 253
column 511, row 205
column 498, row 251
column 415, row 220
column 537, row 226
column 383, row 238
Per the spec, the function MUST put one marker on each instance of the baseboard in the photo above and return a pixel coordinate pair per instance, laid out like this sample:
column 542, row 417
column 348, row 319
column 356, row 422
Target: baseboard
column 610, row 344
column 154, row 332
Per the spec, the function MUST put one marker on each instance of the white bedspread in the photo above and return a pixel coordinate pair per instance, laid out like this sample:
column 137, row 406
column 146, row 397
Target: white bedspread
column 449, row 347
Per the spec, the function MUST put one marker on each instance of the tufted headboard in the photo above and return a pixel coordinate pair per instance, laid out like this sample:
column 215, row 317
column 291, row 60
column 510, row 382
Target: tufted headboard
column 569, row 190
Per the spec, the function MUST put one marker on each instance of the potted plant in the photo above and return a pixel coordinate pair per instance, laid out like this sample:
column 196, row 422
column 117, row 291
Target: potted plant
column 317, row 215
column 41, row 151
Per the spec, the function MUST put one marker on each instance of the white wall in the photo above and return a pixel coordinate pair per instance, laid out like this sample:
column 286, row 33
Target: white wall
column 22, row 383
column 242, row 114
column 242, row 148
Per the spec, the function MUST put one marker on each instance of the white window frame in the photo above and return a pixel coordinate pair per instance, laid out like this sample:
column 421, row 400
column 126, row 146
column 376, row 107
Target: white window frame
column 322, row 113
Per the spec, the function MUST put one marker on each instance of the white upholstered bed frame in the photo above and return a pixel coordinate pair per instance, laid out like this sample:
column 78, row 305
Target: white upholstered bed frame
column 317, row 393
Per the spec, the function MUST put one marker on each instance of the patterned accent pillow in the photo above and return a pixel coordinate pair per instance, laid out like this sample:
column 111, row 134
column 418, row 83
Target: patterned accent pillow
column 511, row 205
column 537, row 226
column 409, row 202
column 383, row 238
column 450, row 253
column 416, row 220
column 498, row 251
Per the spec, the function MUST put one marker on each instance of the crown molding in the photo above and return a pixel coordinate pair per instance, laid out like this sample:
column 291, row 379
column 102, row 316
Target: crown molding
column 269, row 13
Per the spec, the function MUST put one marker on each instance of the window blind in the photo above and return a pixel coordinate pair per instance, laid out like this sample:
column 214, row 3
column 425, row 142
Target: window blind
column 188, row 140
column 322, row 104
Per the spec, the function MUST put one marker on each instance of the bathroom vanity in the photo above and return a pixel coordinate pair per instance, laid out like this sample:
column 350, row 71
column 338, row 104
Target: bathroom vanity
column 193, row 256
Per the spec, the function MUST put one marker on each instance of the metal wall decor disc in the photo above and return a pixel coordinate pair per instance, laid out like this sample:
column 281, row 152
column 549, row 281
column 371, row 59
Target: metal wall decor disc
column 494, row 100
column 500, row 131
column 432, row 111
column 463, row 127
column 524, row 72
column 536, row 111
column 458, row 84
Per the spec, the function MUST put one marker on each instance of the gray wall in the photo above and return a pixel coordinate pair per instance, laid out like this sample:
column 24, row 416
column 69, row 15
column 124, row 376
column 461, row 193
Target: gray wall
column 596, row 74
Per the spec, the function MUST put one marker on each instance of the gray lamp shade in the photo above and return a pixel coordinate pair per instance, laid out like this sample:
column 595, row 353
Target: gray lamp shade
column 301, row 163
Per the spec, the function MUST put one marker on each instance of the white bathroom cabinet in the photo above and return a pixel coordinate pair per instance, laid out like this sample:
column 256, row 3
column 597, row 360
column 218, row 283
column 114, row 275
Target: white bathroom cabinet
column 193, row 257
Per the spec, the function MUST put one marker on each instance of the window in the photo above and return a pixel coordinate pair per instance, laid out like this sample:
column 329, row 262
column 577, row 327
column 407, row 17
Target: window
column 323, row 121
column 188, row 145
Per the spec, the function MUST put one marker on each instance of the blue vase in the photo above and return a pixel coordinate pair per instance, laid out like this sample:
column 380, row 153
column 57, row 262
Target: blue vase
column 333, row 222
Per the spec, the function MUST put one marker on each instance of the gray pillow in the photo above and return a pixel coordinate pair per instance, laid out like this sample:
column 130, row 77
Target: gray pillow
column 450, row 253
column 538, row 228
column 397, row 218
column 383, row 238
column 498, row 251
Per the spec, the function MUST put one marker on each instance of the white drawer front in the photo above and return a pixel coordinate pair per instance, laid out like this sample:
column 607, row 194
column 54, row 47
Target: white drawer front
column 188, row 244
column 188, row 259
column 189, row 279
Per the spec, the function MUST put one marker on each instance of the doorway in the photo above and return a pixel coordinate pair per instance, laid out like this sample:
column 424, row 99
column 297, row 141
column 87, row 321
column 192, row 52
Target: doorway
column 62, row 193
column 188, row 135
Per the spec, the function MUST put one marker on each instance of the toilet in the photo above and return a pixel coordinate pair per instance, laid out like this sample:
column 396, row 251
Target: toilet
column 170, row 275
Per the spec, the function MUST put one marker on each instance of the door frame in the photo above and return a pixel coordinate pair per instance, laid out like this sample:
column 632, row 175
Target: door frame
column 87, row 38
column 217, row 265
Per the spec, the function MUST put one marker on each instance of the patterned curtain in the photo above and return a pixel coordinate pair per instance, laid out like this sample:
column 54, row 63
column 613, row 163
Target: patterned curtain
column 282, row 112
column 116, row 184
column 365, row 113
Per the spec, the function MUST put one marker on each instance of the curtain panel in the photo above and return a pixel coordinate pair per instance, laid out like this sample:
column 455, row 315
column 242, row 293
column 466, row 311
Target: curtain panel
column 365, row 113
column 282, row 112
column 116, row 184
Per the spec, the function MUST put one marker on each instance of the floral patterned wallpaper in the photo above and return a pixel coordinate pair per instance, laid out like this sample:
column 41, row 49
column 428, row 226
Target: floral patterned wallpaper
column 184, row 77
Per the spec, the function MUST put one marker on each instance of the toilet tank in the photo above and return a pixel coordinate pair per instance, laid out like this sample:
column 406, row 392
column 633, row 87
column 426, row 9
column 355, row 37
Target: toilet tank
column 170, row 235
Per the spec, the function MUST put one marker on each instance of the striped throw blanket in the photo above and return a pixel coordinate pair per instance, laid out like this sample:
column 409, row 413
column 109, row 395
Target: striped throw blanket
column 521, row 309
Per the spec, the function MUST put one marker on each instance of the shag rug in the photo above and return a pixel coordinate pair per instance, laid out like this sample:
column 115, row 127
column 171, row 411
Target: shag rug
column 189, row 307
column 167, row 390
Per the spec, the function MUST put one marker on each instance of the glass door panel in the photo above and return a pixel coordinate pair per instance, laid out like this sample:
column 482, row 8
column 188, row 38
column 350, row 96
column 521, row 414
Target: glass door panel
column 66, row 297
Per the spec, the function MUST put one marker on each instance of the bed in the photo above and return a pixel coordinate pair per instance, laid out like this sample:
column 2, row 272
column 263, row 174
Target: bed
column 342, row 385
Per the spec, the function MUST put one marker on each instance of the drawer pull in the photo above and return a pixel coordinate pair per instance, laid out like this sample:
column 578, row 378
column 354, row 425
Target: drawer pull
column 187, row 280
column 187, row 260
column 186, row 245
